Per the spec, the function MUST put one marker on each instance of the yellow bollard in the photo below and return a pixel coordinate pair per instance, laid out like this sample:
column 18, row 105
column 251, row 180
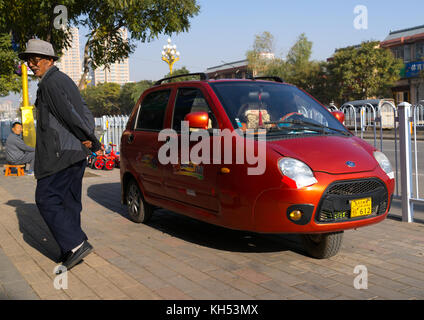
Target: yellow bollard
column 28, row 133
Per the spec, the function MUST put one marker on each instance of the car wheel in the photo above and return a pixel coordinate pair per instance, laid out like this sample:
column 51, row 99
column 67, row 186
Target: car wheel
column 138, row 209
column 323, row 245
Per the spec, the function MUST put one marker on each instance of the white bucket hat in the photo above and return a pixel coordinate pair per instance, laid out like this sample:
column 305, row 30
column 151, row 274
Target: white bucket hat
column 37, row 46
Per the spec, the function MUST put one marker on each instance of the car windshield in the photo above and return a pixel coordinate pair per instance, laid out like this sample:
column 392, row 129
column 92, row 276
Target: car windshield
column 278, row 108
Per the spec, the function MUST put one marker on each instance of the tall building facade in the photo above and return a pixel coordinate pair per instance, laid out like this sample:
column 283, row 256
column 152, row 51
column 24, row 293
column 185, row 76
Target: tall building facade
column 70, row 61
column 119, row 72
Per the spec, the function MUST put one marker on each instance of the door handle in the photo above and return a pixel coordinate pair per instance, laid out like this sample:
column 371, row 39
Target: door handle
column 130, row 138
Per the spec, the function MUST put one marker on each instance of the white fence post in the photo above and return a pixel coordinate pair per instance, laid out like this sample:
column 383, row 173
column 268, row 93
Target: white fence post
column 113, row 127
column 404, row 113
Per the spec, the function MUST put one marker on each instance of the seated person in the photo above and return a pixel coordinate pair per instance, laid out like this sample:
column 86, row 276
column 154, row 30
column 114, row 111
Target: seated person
column 17, row 152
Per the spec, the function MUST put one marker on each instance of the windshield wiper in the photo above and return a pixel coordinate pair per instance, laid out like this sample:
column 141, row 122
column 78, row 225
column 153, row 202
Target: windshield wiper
column 307, row 124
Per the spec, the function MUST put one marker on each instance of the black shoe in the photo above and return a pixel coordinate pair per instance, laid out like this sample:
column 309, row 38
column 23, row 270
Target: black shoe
column 75, row 257
column 65, row 256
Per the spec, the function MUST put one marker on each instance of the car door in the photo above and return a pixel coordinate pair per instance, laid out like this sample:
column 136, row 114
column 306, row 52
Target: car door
column 192, row 183
column 143, row 143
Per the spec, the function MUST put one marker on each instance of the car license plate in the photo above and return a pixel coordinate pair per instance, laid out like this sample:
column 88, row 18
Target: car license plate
column 360, row 207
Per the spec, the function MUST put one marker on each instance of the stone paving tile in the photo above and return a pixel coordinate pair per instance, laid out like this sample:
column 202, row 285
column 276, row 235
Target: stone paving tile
column 351, row 292
column 46, row 289
column 172, row 293
column 317, row 279
column 152, row 282
column 305, row 296
column 12, row 284
column 317, row 291
column 281, row 289
column 386, row 294
column 252, row 275
column 175, row 257
column 415, row 292
column 203, row 294
column 185, row 285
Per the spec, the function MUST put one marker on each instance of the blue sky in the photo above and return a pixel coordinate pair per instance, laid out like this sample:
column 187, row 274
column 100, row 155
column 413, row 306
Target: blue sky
column 225, row 29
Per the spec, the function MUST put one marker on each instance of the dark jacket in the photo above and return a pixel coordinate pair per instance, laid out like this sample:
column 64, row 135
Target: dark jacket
column 16, row 148
column 63, row 122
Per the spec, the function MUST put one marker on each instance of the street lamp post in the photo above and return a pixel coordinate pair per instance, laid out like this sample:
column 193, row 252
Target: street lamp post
column 170, row 55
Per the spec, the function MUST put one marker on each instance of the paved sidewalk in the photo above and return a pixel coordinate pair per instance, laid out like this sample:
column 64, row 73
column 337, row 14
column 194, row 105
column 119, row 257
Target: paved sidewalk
column 175, row 257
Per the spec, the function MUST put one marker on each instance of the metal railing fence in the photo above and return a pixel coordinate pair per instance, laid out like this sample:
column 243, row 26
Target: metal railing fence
column 110, row 129
column 404, row 121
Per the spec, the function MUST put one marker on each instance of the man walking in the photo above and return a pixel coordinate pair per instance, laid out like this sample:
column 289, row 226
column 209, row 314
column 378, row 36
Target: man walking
column 17, row 152
column 65, row 129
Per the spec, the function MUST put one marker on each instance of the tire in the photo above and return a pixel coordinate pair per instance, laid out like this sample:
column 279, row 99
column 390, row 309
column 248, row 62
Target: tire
column 99, row 164
column 109, row 165
column 323, row 245
column 138, row 209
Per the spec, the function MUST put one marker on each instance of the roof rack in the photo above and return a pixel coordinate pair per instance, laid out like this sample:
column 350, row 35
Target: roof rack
column 276, row 79
column 203, row 77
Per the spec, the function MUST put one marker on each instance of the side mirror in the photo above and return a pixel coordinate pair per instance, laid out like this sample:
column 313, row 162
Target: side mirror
column 339, row 115
column 198, row 120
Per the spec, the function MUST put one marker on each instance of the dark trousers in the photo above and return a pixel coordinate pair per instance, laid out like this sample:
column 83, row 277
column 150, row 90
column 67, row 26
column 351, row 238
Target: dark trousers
column 28, row 157
column 58, row 199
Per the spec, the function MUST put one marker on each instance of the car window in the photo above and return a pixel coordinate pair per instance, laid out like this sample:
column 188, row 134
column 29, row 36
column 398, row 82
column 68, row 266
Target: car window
column 152, row 110
column 253, row 105
column 191, row 100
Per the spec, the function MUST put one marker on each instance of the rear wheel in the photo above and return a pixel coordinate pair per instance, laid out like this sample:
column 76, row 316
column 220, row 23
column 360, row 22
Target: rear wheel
column 323, row 245
column 109, row 165
column 138, row 209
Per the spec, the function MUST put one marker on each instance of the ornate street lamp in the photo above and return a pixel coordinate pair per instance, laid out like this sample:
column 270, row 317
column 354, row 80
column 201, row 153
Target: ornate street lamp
column 170, row 55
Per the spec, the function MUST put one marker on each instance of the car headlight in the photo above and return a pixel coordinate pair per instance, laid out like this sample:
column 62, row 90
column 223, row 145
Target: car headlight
column 384, row 163
column 297, row 171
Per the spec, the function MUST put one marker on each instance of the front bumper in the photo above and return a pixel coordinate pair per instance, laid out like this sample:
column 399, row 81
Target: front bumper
column 326, row 204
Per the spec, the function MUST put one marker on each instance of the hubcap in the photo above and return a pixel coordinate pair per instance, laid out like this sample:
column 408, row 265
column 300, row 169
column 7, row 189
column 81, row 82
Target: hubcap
column 133, row 200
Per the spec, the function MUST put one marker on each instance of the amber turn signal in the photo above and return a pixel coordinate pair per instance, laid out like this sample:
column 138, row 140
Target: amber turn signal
column 225, row 170
column 296, row 215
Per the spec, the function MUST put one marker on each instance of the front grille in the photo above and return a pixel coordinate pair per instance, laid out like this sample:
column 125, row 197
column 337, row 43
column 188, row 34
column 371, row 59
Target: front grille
column 335, row 203
column 355, row 187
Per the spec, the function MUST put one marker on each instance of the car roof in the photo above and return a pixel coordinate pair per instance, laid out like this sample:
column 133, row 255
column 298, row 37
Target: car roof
column 204, row 78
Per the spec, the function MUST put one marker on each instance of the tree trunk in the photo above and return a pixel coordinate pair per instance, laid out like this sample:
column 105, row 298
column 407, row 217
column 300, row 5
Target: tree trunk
column 85, row 64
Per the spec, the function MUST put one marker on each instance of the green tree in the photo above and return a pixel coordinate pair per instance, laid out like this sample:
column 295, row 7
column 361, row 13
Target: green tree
column 257, row 62
column 9, row 81
column 300, row 69
column 126, row 102
column 363, row 72
column 277, row 67
column 145, row 20
column 139, row 88
column 130, row 93
column 178, row 72
column 103, row 99
column 24, row 20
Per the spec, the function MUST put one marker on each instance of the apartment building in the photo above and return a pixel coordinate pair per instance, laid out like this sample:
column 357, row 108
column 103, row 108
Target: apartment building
column 70, row 61
column 119, row 72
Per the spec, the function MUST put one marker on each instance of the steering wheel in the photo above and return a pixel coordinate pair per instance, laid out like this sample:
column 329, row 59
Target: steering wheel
column 288, row 115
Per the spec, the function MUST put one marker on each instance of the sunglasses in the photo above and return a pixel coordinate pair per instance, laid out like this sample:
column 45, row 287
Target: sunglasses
column 34, row 60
